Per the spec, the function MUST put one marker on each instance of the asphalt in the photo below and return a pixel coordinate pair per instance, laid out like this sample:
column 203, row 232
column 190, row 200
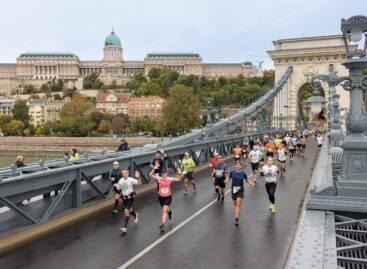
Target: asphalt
column 210, row 240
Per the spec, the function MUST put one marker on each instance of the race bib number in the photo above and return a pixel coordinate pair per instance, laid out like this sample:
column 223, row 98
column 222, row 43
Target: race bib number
column 237, row 156
column 219, row 173
column 165, row 190
column 236, row 189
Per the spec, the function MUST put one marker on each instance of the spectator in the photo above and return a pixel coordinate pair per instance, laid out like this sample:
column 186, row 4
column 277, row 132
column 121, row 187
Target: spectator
column 74, row 155
column 20, row 161
column 124, row 146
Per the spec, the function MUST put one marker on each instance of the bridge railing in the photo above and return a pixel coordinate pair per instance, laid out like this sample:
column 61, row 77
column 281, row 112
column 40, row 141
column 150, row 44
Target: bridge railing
column 82, row 181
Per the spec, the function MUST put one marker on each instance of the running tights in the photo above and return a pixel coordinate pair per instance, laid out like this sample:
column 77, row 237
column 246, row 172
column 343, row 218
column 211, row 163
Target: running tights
column 270, row 189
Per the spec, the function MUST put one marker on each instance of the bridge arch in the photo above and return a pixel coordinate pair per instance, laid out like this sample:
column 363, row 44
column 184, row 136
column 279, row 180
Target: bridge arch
column 308, row 56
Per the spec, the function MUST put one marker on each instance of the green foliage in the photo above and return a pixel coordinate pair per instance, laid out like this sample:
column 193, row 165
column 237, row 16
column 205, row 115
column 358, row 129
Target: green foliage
column 92, row 81
column 57, row 96
column 69, row 92
column 143, row 124
column 29, row 89
column 140, row 77
column 181, row 110
column 34, row 96
column 15, row 127
column 97, row 117
column 154, row 73
column 78, row 106
column 306, row 92
column 20, row 112
column 119, row 123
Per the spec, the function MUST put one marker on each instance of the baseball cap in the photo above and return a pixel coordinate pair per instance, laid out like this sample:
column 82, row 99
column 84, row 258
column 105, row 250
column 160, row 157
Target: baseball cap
column 115, row 162
column 216, row 154
column 186, row 153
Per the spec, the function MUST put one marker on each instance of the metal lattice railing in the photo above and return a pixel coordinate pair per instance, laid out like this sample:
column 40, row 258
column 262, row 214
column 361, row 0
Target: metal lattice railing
column 351, row 242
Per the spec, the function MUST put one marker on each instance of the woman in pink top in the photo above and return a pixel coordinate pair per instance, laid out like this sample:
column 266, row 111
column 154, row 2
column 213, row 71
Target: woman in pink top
column 164, row 194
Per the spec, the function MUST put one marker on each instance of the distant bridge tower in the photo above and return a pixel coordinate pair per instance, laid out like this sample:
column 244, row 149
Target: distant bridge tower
column 308, row 56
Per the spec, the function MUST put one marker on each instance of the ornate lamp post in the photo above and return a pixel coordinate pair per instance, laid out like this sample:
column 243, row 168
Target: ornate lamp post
column 353, row 181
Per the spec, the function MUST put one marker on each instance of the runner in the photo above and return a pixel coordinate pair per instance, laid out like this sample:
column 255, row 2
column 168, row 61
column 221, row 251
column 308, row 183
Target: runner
column 270, row 148
column 292, row 147
column 219, row 177
column 319, row 140
column 213, row 161
column 270, row 172
column 188, row 172
column 298, row 144
column 245, row 151
column 261, row 149
column 303, row 145
column 238, row 177
column 281, row 158
column 115, row 175
column 254, row 157
column 237, row 151
column 126, row 185
column 164, row 194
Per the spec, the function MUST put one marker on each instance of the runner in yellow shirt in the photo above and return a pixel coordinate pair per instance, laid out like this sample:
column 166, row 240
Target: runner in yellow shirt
column 188, row 171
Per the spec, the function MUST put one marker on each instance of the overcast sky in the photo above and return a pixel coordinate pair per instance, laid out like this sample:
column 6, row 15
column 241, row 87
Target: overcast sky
column 220, row 30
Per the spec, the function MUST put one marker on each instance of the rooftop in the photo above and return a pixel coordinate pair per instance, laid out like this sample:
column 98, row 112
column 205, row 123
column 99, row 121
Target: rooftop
column 49, row 54
column 121, row 97
column 173, row 54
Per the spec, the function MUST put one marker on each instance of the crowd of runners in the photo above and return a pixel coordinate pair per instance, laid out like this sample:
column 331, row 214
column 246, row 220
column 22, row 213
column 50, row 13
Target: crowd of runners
column 260, row 153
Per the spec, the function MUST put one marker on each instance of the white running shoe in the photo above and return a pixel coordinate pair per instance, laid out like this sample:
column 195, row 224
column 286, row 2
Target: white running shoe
column 124, row 230
column 136, row 219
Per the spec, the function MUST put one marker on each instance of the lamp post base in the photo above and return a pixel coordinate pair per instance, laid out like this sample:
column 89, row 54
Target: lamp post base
column 353, row 181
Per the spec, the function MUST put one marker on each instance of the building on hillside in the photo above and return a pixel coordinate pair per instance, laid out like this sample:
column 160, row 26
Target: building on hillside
column 145, row 106
column 43, row 111
column 5, row 106
column 40, row 67
column 37, row 111
column 53, row 109
column 112, row 103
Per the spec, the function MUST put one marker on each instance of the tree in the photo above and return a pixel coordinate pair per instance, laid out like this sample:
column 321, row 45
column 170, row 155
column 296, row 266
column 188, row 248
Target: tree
column 119, row 123
column 97, row 117
column 78, row 106
column 15, row 127
column 140, row 77
column 45, row 87
column 104, row 127
column 57, row 96
column 133, row 84
column 181, row 110
column 69, row 92
column 142, row 124
column 29, row 89
column 92, row 81
column 20, row 112
column 34, row 96
column 154, row 73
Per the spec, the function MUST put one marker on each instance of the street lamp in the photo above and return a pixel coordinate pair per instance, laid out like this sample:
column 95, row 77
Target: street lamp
column 315, row 101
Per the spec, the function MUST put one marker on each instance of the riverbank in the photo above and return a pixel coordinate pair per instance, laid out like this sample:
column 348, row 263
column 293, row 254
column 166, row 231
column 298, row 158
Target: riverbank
column 56, row 146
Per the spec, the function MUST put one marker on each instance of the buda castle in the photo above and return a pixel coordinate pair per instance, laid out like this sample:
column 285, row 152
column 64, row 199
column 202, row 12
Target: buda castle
column 40, row 67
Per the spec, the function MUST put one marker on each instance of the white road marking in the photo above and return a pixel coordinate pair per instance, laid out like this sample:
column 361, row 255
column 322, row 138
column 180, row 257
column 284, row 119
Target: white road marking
column 165, row 236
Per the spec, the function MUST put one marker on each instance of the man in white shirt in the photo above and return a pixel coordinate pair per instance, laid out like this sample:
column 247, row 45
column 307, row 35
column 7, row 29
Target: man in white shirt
column 254, row 157
column 270, row 173
column 126, row 185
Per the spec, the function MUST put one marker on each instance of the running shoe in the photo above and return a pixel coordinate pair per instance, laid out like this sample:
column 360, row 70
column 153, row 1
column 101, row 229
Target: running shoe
column 170, row 215
column 124, row 230
column 271, row 206
column 114, row 211
column 161, row 227
column 185, row 192
column 136, row 218
column 222, row 200
column 194, row 186
column 236, row 222
column 273, row 210
column 215, row 193
column 218, row 199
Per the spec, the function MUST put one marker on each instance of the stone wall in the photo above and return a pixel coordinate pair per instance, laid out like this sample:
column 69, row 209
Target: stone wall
column 56, row 146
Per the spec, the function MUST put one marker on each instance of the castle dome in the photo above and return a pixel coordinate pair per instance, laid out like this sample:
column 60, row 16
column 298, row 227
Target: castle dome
column 112, row 40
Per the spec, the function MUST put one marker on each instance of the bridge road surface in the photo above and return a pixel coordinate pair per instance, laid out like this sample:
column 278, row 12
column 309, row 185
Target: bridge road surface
column 210, row 240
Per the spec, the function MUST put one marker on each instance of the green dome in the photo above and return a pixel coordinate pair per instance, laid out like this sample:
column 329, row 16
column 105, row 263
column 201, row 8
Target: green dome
column 112, row 40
